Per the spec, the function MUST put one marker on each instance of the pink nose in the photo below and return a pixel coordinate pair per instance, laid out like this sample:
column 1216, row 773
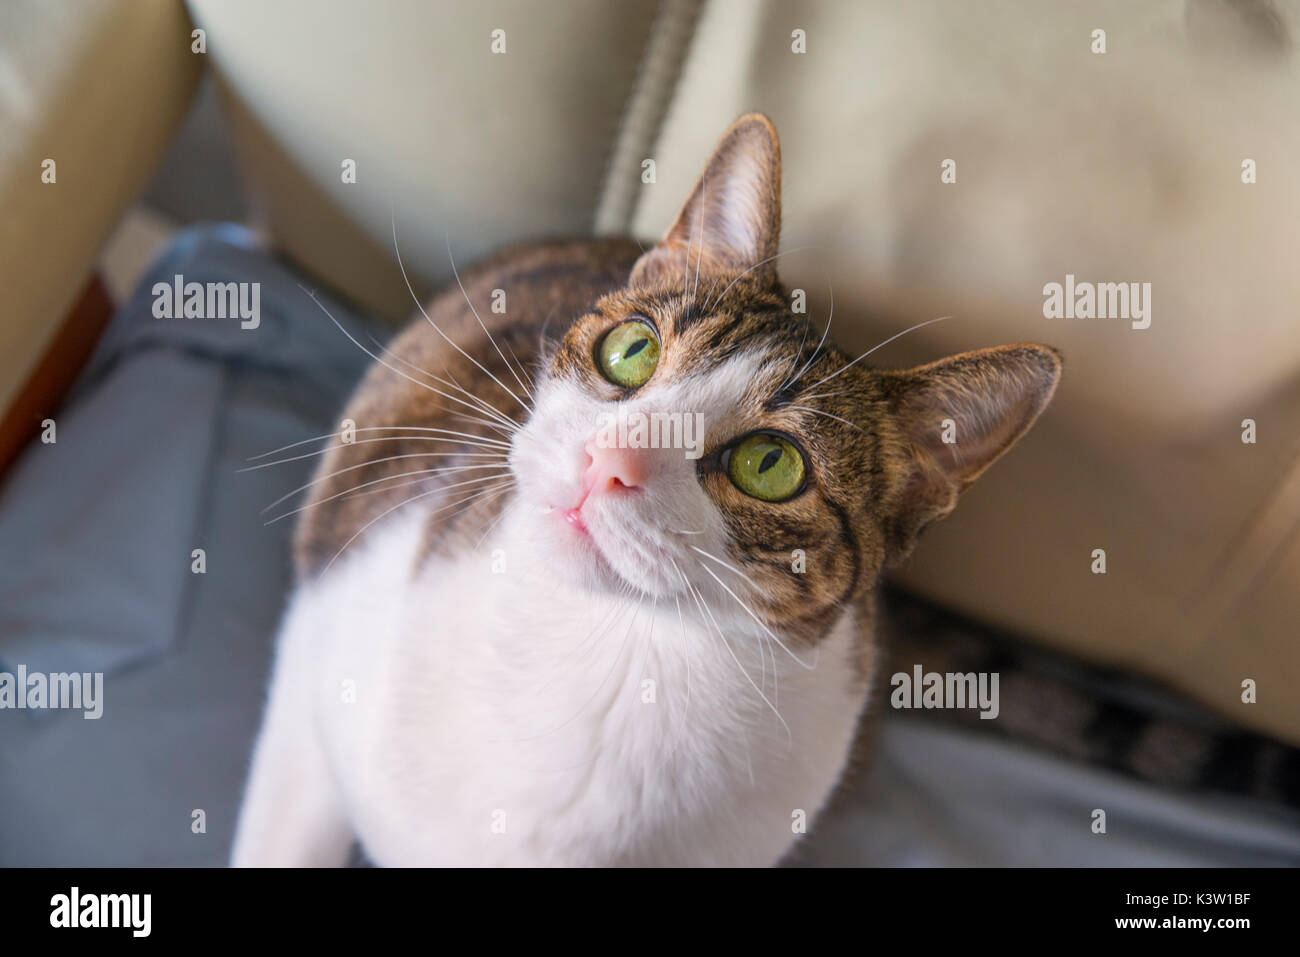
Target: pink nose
column 613, row 470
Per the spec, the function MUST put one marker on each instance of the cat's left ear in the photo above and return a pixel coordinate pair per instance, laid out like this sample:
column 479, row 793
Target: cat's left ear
column 956, row 417
column 732, row 218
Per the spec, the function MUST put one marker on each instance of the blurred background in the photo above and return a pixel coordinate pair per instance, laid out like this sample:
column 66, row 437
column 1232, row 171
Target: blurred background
column 1106, row 140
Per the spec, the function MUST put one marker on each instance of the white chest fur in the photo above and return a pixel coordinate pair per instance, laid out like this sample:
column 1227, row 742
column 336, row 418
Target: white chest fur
column 472, row 716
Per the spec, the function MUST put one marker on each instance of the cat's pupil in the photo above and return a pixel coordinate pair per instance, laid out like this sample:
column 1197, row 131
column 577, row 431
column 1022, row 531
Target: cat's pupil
column 770, row 459
column 635, row 347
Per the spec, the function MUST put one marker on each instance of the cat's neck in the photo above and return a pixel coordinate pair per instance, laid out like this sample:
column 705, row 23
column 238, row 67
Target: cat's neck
column 567, row 641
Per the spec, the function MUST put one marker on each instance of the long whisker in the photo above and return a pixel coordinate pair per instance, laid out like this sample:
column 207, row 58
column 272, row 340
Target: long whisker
column 821, row 395
column 704, row 607
column 708, row 296
column 495, row 454
column 522, row 368
column 541, row 336
column 419, row 305
column 806, row 326
column 377, row 428
column 423, row 385
column 386, row 478
column 875, row 347
column 761, row 262
column 390, row 458
column 825, row 332
column 805, row 408
column 494, row 491
column 482, row 326
column 415, row 498
column 745, row 606
column 488, row 530
column 482, row 403
column 420, row 479
column 501, row 430
column 356, row 493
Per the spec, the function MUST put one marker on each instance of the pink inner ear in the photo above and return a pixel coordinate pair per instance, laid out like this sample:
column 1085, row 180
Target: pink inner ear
column 732, row 219
column 958, row 416
column 965, row 433
column 963, row 413
column 729, row 223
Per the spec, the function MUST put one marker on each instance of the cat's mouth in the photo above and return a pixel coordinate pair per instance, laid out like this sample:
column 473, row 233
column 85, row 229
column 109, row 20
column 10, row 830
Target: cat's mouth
column 590, row 543
column 574, row 517
column 607, row 528
column 578, row 528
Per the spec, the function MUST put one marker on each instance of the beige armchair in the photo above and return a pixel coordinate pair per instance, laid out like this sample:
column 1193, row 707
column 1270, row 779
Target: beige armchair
column 1118, row 166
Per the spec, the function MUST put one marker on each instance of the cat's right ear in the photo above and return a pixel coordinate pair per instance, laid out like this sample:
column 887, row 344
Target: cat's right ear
column 731, row 222
column 956, row 417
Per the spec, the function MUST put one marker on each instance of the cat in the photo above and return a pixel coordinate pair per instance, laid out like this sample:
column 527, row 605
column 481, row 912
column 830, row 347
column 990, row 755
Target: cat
column 513, row 644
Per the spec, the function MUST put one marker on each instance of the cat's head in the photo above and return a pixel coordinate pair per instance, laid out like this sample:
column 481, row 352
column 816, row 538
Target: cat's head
column 793, row 474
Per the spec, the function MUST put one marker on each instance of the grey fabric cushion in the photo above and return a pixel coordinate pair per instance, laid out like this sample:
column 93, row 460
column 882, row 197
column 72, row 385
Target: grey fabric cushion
column 938, row 795
column 96, row 535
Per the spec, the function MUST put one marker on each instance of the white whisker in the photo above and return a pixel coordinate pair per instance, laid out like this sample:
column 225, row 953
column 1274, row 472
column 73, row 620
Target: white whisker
column 423, row 385
column 390, row 458
column 761, row 262
column 374, row 428
column 804, row 408
column 806, row 326
column 820, row 395
column 482, row 326
column 875, row 347
column 704, row 607
column 825, row 332
column 388, row 478
column 746, row 607
column 420, row 306
column 494, row 454
column 481, row 403
column 389, row 511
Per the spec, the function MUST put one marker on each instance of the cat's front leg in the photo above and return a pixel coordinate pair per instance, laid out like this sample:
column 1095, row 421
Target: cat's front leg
column 291, row 814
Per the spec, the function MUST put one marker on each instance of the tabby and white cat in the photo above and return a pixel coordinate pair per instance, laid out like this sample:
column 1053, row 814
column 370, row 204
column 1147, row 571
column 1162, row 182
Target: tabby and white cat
column 513, row 643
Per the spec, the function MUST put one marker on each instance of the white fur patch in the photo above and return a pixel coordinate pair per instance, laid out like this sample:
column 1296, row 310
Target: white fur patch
column 506, row 708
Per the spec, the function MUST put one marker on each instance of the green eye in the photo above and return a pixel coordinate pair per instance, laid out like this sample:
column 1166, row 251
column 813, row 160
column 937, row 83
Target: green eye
column 629, row 353
column 766, row 467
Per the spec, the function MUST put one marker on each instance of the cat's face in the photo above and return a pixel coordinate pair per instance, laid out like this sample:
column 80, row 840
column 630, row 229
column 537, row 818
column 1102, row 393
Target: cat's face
column 693, row 433
column 753, row 468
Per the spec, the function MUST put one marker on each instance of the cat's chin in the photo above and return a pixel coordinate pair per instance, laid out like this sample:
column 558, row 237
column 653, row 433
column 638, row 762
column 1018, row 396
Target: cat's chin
column 579, row 558
column 579, row 555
